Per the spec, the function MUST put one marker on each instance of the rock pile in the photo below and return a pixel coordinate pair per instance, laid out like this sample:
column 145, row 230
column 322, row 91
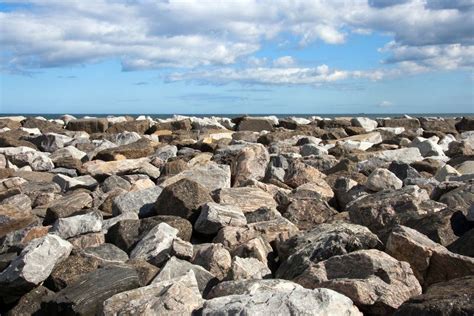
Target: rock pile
column 250, row 215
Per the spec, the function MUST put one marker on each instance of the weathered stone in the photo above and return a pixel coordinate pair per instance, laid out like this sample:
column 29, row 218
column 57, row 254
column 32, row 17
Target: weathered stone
column 176, row 267
column 382, row 179
column 88, row 125
column 137, row 126
column 364, row 122
column 463, row 245
column 182, row 249
column 87, row 240
column 300, row 173
column 282, row 302
column 67, row 205
column 248, row 268
column 214, row 216
column 250, row 163
column 113, row 182
column 183, row 198
column 307, row 212
column 427, row 147
column 70, row 270
column 405, row 155
column 156, row 245
column 146, row 271
column 454, row 297
column 321, row 243
column 13, row 218
column 101, row 168
column 375, row 281
column 466, row 124
column 177, row 296
column 254, row 286
column 67, row 183
column 33, row 265
column 460, row 198
column 247, row 198
column 87, row 294
column 141, row 148
column 140, row 202
column 77, row 225
column 255, row 124
column 214, row 258
column 408, row 123
column 30, row 303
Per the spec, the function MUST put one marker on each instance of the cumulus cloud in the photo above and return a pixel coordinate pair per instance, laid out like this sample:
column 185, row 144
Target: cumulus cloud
column 221, row 36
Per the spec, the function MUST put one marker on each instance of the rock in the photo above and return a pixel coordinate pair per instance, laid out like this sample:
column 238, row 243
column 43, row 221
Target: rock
column 70, row 270
column 140, row 202
column 156, row 245
column 141, row 148
column 214, row 258
column 13, row 218
column 67, row 205
column 166, row 152
column 255, row 124
column 211, row 176
column 77, row 225
column 321, row 243
column 453, row 297
column 87, row 294
column 176, row 267
column 88, row 125
column 67, row 183
column 307, row 212
column 33, row 265
column 250, row 163
column 182, row 249
column 252, row 286
column 105, row 253
column 51, row 142
column 300, row 173
column 408, row 123
column 382, row 179
column 466, row 124
column 427, row 147
column 30, row 303
column 99, row 168
column 445, row 172
column 248, row 268
column 183, row 198
column 37, row 160
column 106, row 224
column 19, row 239
column 404, row 155
column 247, row 198
column 376, row 282
column 113, row 182
column 359, row 142
column 146, row 271
column 364, row 122
column 282, row 302
column 214, row 216
column 461, row 198
column 403, row 171
column 312, row 150
column 136, row 126
column 177, row 296
column 87, row 240
column 463, row 245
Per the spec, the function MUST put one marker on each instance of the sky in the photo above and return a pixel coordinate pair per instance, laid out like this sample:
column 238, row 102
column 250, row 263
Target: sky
column 236, row 56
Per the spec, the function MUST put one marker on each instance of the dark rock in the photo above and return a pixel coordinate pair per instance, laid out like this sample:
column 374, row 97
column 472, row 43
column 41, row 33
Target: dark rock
column 70, row 270
column 407, row 123
column 13, row 218
column 306, row 213
column 68, row 205
column 466, row 124
column 464, row 244
column 138, row 126
column 141, row 148
column 88, row 125
column 182, row 198
column 30, row 303
column 42, row 125
column 403, row 170
column 255, row 124
column 437, row 125
column 105, row 253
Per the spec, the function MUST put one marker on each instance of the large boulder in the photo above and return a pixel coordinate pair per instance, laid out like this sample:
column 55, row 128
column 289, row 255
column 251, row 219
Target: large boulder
column 13, row 218
column 141, row 148
column 67, row 205
column 88, row 125
column 214, row 216
column 77, row 225
column 250, row 163
column 141, row 202
column 382, row 179
column 376, row 282
column 249, row 199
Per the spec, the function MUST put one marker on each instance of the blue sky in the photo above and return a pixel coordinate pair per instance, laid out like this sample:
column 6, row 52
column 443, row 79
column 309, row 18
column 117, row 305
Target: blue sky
column 246, row 56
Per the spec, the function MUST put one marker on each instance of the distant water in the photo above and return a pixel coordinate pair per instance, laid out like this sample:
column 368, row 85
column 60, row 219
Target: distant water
column 164, row 116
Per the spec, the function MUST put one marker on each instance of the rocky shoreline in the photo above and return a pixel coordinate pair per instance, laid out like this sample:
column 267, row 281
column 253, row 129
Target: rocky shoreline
column 249, row 215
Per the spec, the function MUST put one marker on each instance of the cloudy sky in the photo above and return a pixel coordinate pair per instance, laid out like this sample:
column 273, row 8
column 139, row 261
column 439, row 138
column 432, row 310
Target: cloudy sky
column 236, row 56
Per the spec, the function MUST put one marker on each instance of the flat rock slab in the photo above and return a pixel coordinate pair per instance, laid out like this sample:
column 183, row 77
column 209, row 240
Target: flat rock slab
column 76, row 225
column 247, row 198
column 87, row 294
column 140, row 202
column 67, row 205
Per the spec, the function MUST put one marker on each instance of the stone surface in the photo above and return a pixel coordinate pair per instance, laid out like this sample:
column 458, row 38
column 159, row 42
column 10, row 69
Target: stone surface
column 248, row 268
column 33, row 265
column 382, row 179
column 250, row 163
column 214, row 216
column 247, row 198
column 376, row 282
column 300, row 173
column 30, row 303
column 67, row 205
column 155, row 246
column 183, row 198
column 13, row 218
column 140, row 202
column 77, row 225
column 214, row 258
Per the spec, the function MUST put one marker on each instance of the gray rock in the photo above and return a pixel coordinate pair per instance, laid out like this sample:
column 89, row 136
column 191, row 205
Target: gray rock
column 214, row 216
column 382, row 179
column 254, row 286
column 312, row 150
column 67, row 205
column 282, row 302
column 105, row 253
column 248, row 268
column 33, row 265
column 247, row 198
column 364, row 122
column 176, row 267
column 156, row 246
column 88, row 293
column 214, row 258
column 67, row 183
column 446, row 172
column 21, row 201
column 76, row 225
column 113, row 182
column 406, row 155
column 140, row 202
column 166, row 152
column 177, row 296
column 371, row 278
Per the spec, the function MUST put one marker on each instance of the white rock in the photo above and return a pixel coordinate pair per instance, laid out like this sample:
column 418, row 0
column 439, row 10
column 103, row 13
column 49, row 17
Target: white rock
column 211, row 176
column 67, row 183
column 126, row 138
column 445, row 141
column 406, row 155
column 155, row 247
column 214, row 216
column 249, row 268
column 364, row 122
column 445, row 172
column 427, row 147
column 76, row 225
column 383, row 179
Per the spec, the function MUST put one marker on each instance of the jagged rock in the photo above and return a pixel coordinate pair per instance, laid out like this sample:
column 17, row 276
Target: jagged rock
column 247, row 198
column 375, row 281
column 88, row 125
column 70, row 270
column 454, row 297
column 248, row 268
column 466, row 124
column 257, row 248
column 239, row 287
column 19, row 239
column 156, row 245
column 427, row 147
column 106, row 253
column 250, row 163
column 67, row 183
column 141, row 148
column 321, row 243
column 404, row 155
column 77, row 225
column 67, row 205
column 146, row 271
column 30, row 303
column 166, row 152
column 300, row 173
column 408, row 123
column 364, row 122
column 113, row 182
column 182, row 249
column 87, row 294
column 307, row 212
column 255, row 124
column 99, row 168
column 312, row 150
column 177, row 296
column 461, row 198
column 33, row 265
column 214, row 258
column 282, row 302
column 211, row 176
column 382, row 179
column 176, row 267
column 140, row 202
column 137, row 126
column 183, row 198
column 214, row 216
column 13, row 218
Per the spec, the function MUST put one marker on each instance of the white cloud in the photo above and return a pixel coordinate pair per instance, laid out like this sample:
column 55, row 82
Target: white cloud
column 385, row 104
column 284, row 61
